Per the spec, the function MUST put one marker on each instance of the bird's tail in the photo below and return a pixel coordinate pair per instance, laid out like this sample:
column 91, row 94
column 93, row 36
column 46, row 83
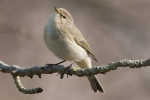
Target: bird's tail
column 95, row 84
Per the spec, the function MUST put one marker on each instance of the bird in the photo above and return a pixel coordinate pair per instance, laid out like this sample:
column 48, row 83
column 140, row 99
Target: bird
column 66, row 42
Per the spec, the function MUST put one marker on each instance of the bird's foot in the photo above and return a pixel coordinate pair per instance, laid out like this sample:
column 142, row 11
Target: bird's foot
column 49, row 65
column 68, row 69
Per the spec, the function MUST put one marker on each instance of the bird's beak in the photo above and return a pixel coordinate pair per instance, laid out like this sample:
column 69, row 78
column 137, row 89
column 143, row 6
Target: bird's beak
column 57, row 11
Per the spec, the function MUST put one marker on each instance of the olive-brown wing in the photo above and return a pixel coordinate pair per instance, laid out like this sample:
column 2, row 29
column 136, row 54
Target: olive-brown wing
column 79, row 39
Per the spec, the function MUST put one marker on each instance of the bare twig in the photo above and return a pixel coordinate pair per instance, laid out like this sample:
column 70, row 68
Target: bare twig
column 17, row 71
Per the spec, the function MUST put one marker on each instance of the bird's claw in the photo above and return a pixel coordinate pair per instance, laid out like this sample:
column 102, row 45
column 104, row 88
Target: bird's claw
column 68, row 70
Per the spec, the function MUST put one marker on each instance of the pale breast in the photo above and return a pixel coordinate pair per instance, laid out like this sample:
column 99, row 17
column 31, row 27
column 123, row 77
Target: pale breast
column 65, row 49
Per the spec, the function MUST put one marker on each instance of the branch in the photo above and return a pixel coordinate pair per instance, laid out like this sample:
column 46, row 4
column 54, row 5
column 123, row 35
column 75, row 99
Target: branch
column 17, row 71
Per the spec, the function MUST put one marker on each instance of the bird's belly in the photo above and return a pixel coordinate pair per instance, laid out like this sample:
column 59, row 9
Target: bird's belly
column 66, row 50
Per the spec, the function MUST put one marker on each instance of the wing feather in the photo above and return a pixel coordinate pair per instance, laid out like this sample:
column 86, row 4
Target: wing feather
column 79, row 39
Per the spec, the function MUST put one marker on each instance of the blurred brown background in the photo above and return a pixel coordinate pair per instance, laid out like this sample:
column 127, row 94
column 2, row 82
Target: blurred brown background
column 115, row 30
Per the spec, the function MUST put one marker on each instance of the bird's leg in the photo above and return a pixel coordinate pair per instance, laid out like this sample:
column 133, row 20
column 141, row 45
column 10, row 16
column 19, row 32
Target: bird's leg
column 48, row 65
column 68, row 69
column 60, row 62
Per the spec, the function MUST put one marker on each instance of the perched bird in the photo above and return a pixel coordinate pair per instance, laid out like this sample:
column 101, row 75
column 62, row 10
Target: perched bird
column 65, row 41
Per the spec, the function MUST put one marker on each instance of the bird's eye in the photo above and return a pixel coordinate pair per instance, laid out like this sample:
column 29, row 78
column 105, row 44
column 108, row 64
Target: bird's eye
column 64, row 17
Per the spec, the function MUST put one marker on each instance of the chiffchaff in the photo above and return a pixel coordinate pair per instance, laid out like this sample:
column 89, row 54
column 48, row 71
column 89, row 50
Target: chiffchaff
column 65, row 40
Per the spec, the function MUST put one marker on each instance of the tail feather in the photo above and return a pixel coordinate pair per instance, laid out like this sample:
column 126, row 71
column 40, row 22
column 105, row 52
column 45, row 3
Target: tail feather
column 95, row 84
